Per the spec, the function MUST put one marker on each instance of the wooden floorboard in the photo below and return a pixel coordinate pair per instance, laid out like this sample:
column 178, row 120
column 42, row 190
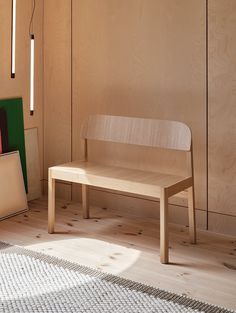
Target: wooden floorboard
column 129, row 246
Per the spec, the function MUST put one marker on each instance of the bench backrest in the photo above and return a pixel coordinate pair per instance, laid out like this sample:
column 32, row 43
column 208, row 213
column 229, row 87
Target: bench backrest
column 138, row 131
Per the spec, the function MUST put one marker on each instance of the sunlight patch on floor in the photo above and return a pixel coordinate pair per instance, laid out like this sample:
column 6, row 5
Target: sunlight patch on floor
column 93, row 253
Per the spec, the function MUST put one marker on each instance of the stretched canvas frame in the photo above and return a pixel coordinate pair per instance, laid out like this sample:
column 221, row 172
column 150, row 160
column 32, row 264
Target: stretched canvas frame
column 13, row 198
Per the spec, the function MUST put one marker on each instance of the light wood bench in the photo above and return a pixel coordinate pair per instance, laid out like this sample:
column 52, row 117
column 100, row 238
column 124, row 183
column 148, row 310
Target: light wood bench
column 137, row 131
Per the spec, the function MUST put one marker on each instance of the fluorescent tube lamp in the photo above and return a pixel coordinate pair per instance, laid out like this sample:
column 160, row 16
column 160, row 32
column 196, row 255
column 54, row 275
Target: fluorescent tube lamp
column 13, row 39
column 32, row 61
column 31, row 74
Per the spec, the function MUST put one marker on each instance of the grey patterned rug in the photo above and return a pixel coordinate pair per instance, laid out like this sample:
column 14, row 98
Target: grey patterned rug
column 32, row 282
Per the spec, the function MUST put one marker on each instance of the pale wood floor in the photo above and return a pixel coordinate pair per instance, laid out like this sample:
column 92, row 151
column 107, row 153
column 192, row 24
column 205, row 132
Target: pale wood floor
column 129, row 246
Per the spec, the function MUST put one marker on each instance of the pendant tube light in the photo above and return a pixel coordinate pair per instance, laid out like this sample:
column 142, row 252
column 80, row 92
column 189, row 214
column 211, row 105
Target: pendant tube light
column 31, row 74
column 32, row 62
column 13, row 39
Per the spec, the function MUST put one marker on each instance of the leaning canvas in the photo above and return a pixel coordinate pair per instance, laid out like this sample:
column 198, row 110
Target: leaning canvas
column 12, row 190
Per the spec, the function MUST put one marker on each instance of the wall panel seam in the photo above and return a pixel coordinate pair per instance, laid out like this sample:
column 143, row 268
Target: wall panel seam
column 207, row 117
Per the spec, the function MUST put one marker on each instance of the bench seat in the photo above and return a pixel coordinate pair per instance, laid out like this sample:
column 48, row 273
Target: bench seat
column 119, row 178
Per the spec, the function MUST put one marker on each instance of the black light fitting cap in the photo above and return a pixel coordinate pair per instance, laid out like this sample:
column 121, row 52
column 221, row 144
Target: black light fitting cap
column 31, row 112
column 12, row 75
column 31, row 36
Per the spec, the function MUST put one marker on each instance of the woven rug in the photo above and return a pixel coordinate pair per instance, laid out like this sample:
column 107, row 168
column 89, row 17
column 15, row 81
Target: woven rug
column 34, row 282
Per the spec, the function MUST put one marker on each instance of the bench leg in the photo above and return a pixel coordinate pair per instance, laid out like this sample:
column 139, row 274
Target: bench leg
column 164, row 238
column 85, row 201
column 191, row 215
column 51, row 204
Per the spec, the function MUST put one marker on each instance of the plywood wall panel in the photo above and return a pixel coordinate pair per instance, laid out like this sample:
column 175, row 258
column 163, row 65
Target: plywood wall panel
column 57, row 83
column 33, row 164
column 222, row 107
column 19, row 87
column 222, row 223
column 144, row 59
column 63, row 190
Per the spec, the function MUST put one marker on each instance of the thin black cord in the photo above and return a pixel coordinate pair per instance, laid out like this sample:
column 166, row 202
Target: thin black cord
column 32, row 16
column 12, row 74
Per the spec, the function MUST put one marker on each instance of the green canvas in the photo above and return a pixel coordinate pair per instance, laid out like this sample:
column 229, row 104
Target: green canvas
column 15, row 123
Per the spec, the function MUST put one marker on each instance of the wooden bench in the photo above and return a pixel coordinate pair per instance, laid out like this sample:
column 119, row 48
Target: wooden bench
column 137, row 131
